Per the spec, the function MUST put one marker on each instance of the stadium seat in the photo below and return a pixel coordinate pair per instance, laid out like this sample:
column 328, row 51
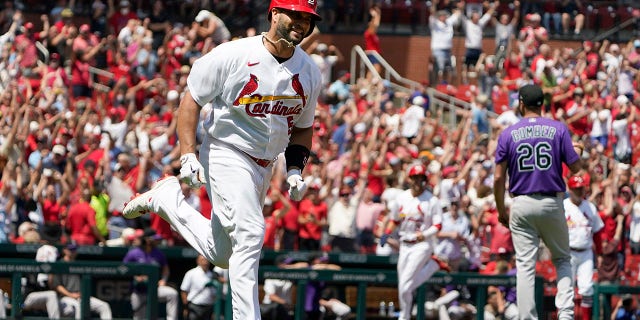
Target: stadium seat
column 466, row 92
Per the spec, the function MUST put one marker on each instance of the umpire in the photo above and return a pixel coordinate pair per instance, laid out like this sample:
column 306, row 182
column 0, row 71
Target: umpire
column 532, row 152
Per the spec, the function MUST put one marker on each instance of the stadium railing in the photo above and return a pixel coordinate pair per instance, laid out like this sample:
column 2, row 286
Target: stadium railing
column 86, row 270
column 606, row 291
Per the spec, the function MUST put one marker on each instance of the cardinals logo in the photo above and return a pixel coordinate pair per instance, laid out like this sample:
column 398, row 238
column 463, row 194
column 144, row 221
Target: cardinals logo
column 257, row 105
column 248, row 89
column 297, row 87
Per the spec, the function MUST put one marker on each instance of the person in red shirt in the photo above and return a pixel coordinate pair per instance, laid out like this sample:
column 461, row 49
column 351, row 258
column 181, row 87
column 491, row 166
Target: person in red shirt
column 119, row 19
column 500, row 235
column 25, row 44
column 273, row 219
column 371, row 39
column 576, row 113
column 81, row 221
column 52, row 203
column 312, row 218
column 289, row 223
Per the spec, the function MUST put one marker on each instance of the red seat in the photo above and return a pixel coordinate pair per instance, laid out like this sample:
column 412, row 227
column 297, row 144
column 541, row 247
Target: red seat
column 466, row 92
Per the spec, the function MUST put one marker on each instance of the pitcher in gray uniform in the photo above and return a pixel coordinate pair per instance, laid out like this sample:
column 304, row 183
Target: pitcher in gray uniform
column 532, row 152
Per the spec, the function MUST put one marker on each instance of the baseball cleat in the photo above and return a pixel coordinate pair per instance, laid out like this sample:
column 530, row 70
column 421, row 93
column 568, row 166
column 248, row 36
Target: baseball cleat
column 443, row 265
column 142, row 203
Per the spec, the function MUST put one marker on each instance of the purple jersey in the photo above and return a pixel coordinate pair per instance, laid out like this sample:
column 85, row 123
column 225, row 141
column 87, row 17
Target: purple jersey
column 138, row 255
column 535, row 149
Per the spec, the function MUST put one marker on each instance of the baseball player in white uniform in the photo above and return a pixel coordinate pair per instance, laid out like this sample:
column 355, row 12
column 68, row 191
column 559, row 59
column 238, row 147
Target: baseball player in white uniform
column 418, row 218
column 583, row 221
column 263, row 91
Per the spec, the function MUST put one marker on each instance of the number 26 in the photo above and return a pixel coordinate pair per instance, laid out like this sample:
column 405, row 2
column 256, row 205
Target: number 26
column 540, row 153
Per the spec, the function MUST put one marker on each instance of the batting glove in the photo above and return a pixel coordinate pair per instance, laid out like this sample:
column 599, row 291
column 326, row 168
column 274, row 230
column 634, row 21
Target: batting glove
column 297, row 186
column 191, row 172
column 383, row 239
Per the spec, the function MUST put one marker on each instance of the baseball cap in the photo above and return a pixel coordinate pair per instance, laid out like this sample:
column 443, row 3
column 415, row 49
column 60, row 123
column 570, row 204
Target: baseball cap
column 72, row 247
column 417, row 170
column 34, row 126
column 531, row 95
column 28, row 25
column 418, row 101
column 59, row 150
column 622, row 99
column 85, row 28
column 151, row 233
column 448, row 170
column 322, row 47
column 55, row 56
column 172, row 95
column 202, row 15
column 576, row 182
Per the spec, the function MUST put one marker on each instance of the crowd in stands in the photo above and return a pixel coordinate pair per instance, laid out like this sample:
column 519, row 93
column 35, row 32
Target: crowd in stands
column 91, row 123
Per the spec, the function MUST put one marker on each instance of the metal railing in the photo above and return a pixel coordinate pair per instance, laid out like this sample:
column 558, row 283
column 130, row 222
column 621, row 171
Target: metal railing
column 450, row 105
column 364, row 278
column 361, row 64
column 86, row 270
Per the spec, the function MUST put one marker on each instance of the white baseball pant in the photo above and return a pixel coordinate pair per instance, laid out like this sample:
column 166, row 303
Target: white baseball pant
column 415, row 266
column 582, row 271
column 234, row 236
column 44, row 300
column 71, row 307
column 166, row 294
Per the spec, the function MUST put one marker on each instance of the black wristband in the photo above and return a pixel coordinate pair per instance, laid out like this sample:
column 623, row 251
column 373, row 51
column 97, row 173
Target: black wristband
column 296, row 156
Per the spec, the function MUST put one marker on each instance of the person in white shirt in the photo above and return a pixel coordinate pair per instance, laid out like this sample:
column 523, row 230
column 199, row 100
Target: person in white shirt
column 505, row 30
column 411, row 120
column 600, row 123
column 441, row 25
column 325, row 56
column 277, row 301
column 622, row 147
column 473, row 28
column 198, row 291
column 583, row 222
column 210, row 25
column 451, row 238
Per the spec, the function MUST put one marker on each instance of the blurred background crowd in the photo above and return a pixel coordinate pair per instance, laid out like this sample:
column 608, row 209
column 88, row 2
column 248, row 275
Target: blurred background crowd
column 89, row 91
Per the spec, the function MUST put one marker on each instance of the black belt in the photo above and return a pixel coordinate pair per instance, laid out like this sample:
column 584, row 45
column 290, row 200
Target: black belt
column 538, row 194
column 579, row 250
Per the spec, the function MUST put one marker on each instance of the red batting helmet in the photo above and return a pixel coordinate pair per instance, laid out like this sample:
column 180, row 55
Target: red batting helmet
column 577, row 182
column 417, row 170
column 308, row 6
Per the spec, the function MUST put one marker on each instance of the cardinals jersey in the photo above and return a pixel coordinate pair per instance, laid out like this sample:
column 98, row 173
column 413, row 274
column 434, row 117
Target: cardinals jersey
column 583, row 222
column 413, row 214
column 256, row 100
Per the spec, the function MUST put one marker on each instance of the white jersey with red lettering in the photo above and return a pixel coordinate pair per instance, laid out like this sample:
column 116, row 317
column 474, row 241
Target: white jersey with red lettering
column 255, row 107
column 416, row 214
column 583, row 222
